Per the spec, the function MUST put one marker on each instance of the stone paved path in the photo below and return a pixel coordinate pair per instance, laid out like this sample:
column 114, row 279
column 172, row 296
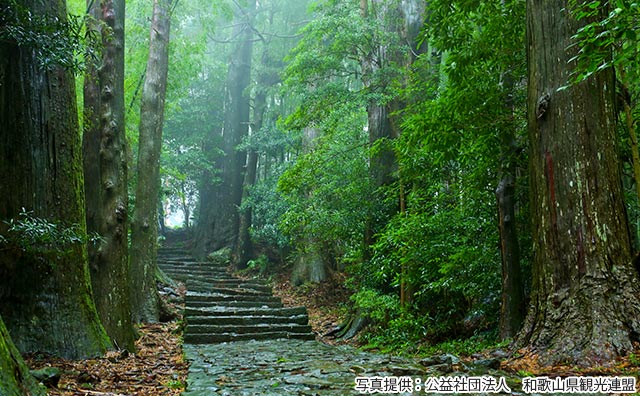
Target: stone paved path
column 240, row 341
column 222, row 308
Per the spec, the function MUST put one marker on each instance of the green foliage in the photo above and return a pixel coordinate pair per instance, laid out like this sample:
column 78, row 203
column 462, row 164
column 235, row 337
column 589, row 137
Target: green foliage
column 175, row 384
column 220, row 257
column 268, row 206
column 327, row 188
column 608, row 38
column 259, row 264
column 39, row 237
column 55, row 40
column 466, row 346
column 443, row 248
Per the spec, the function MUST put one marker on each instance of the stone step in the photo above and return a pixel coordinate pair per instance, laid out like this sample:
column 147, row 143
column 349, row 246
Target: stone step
column 237, row 311
column 194, row 268
column 203, row 287
column 206, row 276
column 235, row 304
column 190, row 265
column 166, row 250
column 302, row 319
column 231, row 337
column 248, row 329
column 178, row 260
column 220, row 307
column 221, row 298
column 194, row 279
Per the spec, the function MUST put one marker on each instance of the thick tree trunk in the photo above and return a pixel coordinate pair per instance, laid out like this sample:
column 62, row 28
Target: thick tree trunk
column 144, row 227
column 584, row 306
column 47, row 303
column 105, row 169
column 309, row 264
column 219, row 216
column 15, row 379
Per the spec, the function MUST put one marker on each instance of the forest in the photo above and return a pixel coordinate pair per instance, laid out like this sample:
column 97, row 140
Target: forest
column 468, row 171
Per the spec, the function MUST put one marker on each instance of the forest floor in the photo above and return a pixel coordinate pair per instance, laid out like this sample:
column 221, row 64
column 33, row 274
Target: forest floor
column 326, row 302
column 156, row 369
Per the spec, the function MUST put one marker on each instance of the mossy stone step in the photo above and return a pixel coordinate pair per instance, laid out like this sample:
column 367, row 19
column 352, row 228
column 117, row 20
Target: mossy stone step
column 231, row 337
column 302, row 319
column 236, row 311
column 248, row 329
column 238, row 304
column 222, row 298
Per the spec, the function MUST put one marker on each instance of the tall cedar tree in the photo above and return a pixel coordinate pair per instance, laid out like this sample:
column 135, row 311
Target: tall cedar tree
column 105, row 169
column 144, row 227
column 405, row 18
column 219, row 219
column 266, row 79
column 584, row 304
column 47, row 303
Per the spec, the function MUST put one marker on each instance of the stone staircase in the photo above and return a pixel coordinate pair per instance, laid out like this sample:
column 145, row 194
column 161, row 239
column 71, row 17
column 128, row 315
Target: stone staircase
column 222, row 308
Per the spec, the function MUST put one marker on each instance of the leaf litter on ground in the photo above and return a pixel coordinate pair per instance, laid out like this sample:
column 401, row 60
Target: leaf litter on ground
column 157, row 368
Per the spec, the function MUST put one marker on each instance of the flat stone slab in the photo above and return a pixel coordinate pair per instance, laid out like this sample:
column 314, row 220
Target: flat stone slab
column 282, row 367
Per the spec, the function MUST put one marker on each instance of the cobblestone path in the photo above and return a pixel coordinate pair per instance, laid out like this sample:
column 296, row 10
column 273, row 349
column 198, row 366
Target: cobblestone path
column 240, row 340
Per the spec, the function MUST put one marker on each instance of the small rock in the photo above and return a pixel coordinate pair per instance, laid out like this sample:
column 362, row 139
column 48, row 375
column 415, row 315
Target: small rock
column 443, row 368
column 400, row 371
column 48, row 376
column 500, row 354
column 441, row 359
column 487, row 363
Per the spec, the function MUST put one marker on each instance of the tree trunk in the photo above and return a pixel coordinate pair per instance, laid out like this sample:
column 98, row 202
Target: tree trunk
column 405, row 18
column 219, row 215
column 15, row 379
column 266, row 80
column 584, row 304
column 309, row 264
column 512, row 308
column 105, row 166
column 47, row 303
column 144, row 227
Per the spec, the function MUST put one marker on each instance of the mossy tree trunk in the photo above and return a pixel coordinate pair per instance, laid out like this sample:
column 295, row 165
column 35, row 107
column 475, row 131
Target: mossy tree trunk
column 144, row 227
column 15, row 379
column 47, row 302
column 105, row 169
column 584, row 304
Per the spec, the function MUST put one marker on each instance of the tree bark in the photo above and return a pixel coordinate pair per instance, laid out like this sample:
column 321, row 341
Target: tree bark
column 15, row 379
column 105, row 168
column 512, row 308
column 144, row 227
column 219, row 215
column 584, row 304
column 266, row 80
column 47, row 303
